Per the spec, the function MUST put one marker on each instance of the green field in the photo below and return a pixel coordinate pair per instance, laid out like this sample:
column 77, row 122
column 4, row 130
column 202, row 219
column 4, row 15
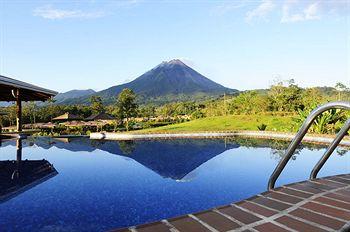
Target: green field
column 228, row 123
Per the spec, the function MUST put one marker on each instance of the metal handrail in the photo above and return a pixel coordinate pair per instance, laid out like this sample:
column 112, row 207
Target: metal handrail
column 300, row 135
column 330, row 149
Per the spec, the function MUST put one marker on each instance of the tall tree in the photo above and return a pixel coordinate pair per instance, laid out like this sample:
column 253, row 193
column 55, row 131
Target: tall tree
column 248, row 102
column 32, row 109
column 51, row 108
column 147, row 111
column 127, row 106
column 97, row 104
column 340, row 87
column 285, row 97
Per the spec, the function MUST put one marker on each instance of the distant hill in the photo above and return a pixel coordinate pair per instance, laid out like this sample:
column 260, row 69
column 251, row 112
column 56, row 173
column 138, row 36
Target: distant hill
column 325, row 91
column 72, row 94
column 168, row 81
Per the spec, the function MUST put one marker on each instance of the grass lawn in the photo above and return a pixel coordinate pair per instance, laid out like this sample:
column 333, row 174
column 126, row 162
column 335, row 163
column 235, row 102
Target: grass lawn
column 228, row 123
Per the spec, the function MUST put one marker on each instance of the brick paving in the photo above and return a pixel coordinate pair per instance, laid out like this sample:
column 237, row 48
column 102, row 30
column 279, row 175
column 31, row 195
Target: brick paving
column 318, row 205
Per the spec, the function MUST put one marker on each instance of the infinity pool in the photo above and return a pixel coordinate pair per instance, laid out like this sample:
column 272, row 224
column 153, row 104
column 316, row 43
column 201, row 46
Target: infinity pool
column 84, row 185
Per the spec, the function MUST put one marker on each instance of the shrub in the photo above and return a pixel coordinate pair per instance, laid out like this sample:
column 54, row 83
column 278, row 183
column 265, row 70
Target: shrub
column 262, row 127
column 328, row 122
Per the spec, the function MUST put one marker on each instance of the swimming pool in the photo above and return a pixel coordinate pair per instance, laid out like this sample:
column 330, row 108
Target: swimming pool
column 87, row 185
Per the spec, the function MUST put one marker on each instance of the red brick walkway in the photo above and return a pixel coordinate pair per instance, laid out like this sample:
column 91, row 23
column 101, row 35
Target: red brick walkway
column 319, row 205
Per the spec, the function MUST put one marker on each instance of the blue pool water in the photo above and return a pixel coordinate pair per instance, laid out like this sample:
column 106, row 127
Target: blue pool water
column 98, row 186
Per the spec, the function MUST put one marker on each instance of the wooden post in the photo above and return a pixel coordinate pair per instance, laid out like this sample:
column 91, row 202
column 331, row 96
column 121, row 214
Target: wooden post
column 18, row 159
column 19, row 150
column 18, row 112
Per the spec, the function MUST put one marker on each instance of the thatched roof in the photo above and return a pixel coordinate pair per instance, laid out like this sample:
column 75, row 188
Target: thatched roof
column 67, row 117
column 81, row 123
column 100, row 116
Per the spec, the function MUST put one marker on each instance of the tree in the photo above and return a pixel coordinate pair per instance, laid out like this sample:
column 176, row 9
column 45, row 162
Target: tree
column 97, row 105
column 127, row 147
column 285, row 98
column 32, row 109
column 51, row 108
column 311, row 98
column 126, row 106
column 11, row 110
column 248, row 102
column 147, row 111
column 340, row 87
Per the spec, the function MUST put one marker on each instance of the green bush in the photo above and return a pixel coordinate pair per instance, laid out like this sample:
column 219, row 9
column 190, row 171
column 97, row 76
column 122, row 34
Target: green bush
column 262, row 127
column 328, row 122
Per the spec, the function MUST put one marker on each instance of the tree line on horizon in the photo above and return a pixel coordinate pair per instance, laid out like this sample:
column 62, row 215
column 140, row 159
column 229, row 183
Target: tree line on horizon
column 282, row 98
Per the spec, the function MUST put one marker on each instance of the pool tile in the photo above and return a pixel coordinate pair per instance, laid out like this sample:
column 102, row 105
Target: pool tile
column 239, row 214
column 257, row 209
column 217, row 221
column 332, row 202
column 271, row 203
column 327, row 210
column 338, row 197
column 346, row 176
column 343, row 192
column 121, row 230
column 153, row 227
column 269, row 227
column 317, row 218
column 331, row 183
column 340, row 180
column 298, row 225
column 283, row 197
column 306, row 188
column 186, row 223
column 317, row 185
column 295, row 193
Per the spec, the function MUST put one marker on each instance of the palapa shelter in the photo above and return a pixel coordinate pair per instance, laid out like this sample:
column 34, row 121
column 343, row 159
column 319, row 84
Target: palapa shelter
column 100, row 116
column 18, row 91
column 67, row 117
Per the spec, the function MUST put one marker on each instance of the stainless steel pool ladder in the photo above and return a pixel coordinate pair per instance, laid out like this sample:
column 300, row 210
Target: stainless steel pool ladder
column 300, row 135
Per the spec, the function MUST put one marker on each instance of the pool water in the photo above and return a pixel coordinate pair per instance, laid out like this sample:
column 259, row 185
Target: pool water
column 103, row 185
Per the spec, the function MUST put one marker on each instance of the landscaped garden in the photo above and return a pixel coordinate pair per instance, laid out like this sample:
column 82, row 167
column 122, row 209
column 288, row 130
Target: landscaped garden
column 281, row 108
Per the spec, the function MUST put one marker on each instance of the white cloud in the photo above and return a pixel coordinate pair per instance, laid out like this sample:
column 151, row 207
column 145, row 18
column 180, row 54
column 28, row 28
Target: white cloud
column 261, row 11
column 291, row 10
column 48, row 12
column 128, row 3
column 228, row 6
column 309, row 12
column 339, row 7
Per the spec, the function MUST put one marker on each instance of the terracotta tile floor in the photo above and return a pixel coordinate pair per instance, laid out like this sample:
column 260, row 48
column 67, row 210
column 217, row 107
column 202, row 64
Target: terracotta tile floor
column 318, row 205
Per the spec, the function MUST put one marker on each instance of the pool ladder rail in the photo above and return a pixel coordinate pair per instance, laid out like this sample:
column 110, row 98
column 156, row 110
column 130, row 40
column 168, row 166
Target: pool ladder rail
column 300, row 135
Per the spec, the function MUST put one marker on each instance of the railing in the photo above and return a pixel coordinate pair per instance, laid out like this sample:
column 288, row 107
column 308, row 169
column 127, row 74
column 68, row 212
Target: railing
column 300, row 135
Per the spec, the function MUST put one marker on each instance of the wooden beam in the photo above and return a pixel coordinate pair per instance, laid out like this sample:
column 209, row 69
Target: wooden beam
column 18, row 111
column 26, row 95
column 19, row 150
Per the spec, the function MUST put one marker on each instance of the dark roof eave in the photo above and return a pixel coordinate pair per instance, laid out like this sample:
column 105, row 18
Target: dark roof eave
column 23, row 85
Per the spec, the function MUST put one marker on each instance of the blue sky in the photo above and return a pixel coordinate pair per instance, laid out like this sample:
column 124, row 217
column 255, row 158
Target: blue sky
column 66, row 45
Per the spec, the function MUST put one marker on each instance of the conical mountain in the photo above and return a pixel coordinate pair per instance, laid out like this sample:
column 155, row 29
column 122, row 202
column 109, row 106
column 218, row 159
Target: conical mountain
column 169, row 81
